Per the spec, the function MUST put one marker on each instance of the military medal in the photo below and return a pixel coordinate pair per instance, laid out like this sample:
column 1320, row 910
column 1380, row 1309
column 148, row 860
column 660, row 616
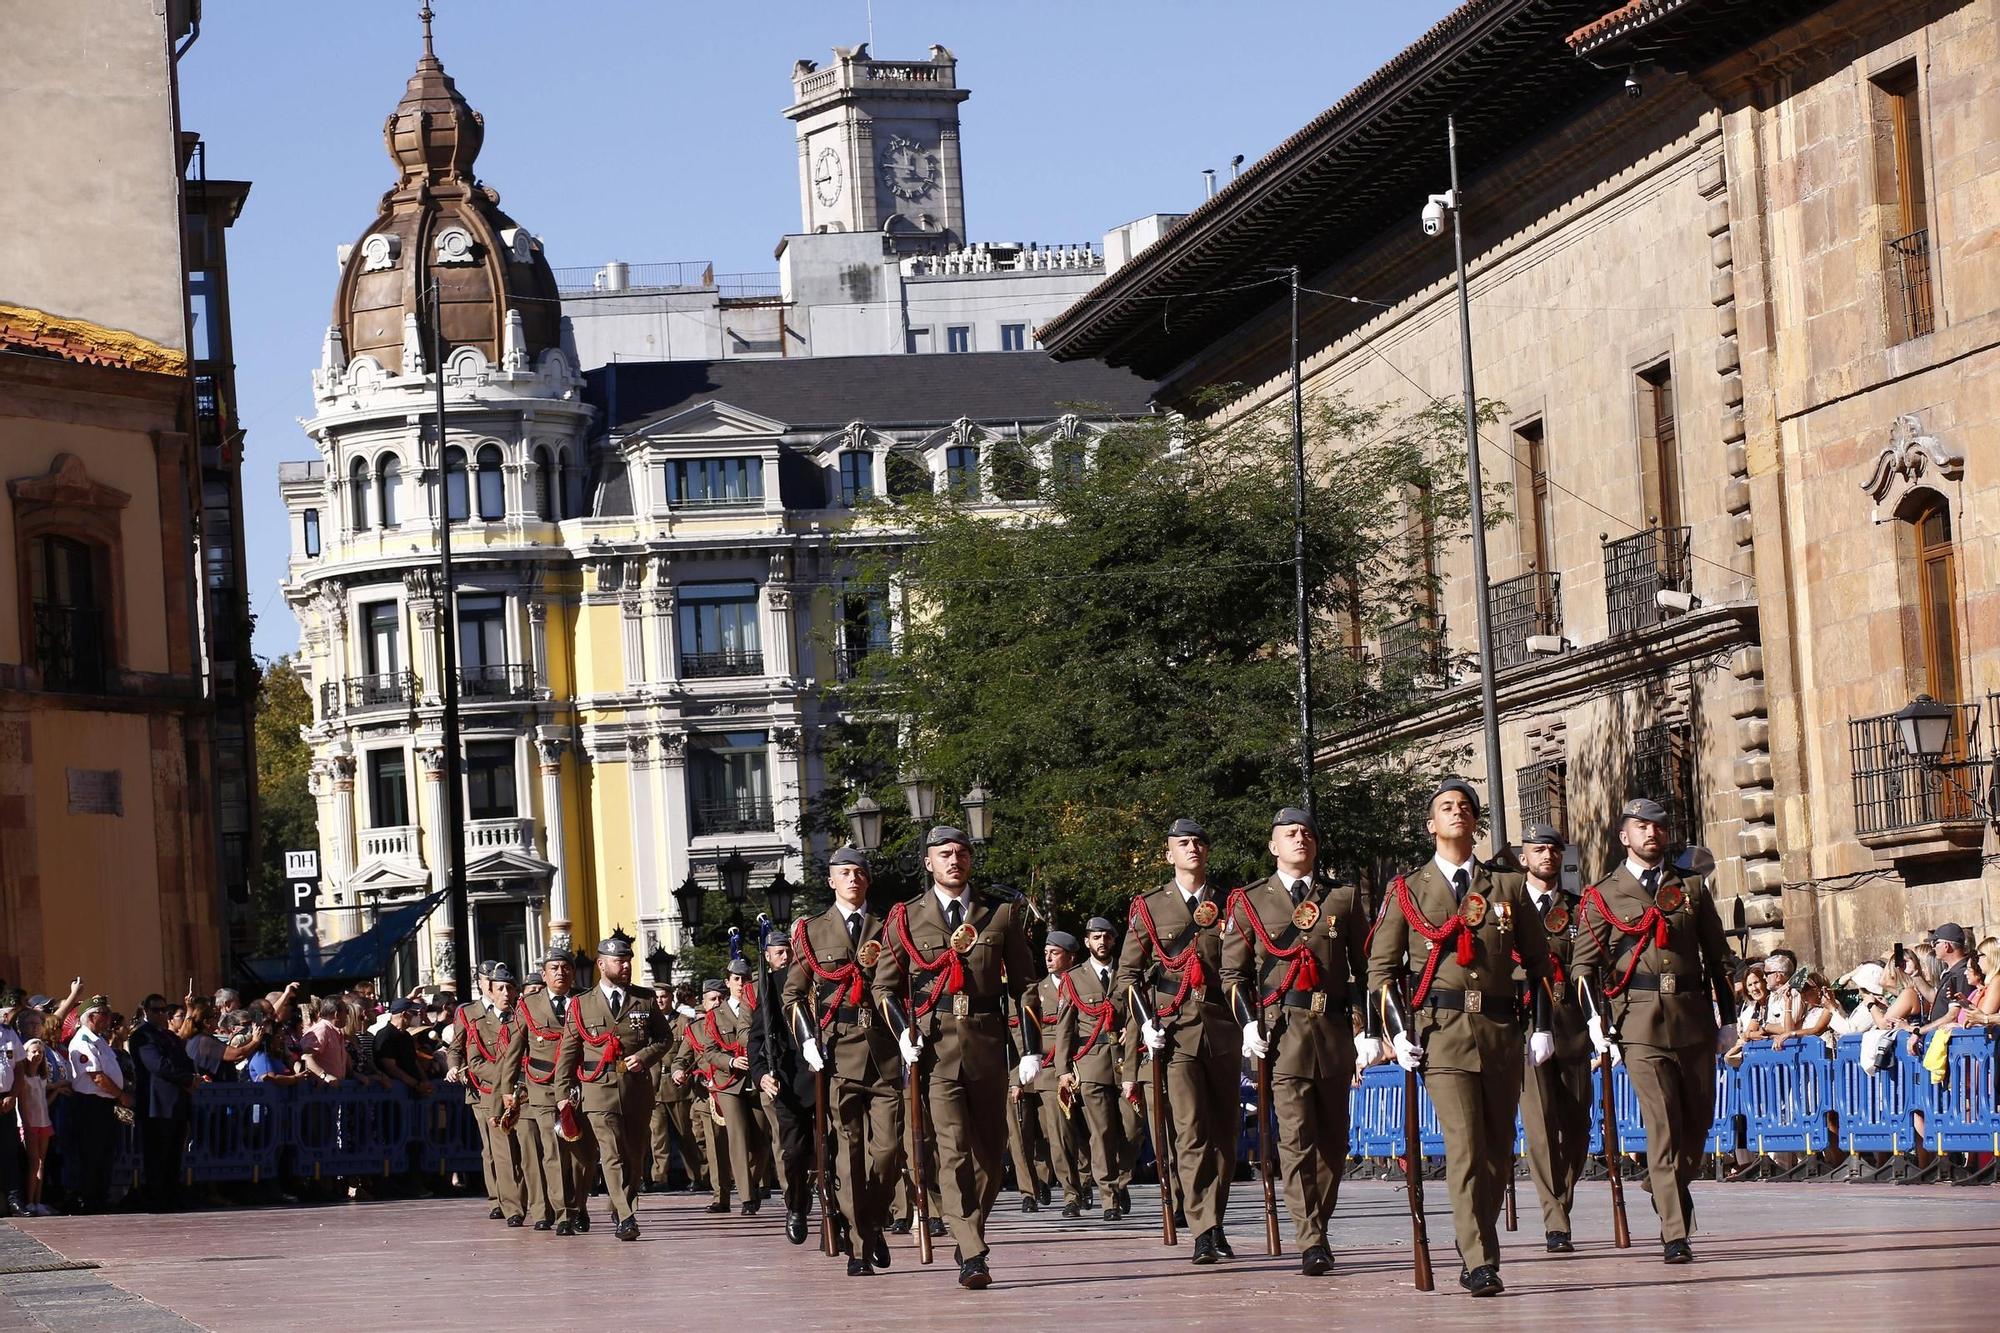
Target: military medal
column 1503, row 916
column 870, row 951
column 1473, row 909
column 1669, row 898
column 1205, row 914
column 1305, row 914
column 963, row 937
column 1556, row 918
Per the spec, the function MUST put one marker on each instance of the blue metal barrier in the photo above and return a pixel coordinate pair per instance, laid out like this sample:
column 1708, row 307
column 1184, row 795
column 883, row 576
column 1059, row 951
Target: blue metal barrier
column 447, row 1133
column 1962, row 1117
column 350, row 1131
column 1785, row 1096
column 1875, row 1109
column 235, row 1131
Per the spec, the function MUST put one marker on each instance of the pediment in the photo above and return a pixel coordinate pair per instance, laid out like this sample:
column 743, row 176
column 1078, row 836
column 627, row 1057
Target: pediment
column 388, row 873
column 707, row 421
column 508, row 865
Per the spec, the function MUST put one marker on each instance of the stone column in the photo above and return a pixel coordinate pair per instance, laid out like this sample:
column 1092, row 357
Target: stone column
column 342, row 842
column 432, row 759
column 444, row 952
column 645, row 868
column 549, row 750
column 666, row 647
column 632, row 609
column 674, row 804
column 420, row 589
column 780, row 662
column 787, row 800
column 538, row 645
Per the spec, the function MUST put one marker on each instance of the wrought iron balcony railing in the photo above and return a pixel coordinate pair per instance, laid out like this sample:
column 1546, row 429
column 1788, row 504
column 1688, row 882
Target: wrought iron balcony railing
column 69, row 647
column 1909, row 264
column 1637, row 569
column 1521, row 607
column 1893, row 790
column 730, row 662
column 742, row 815
column 500, row 680
column 391, row 689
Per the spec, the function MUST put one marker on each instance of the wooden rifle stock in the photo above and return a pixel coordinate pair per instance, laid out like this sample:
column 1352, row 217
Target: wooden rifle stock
column 1264, row 1164
column 1163, row 1146
column 827, row 1245
column 1621, row 1232
column 1413, row 1171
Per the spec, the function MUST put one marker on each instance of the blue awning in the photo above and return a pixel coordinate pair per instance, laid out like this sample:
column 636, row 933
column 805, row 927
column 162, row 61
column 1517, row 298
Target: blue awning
column 365, row 955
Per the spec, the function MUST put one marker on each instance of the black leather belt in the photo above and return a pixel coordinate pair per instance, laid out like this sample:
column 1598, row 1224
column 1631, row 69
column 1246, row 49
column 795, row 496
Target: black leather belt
column 1316, row 1001
column 1196, row 995
column 1500, row 1008
column 1666, row 983
column 541, row 1066
column 852, row 1014
column 962, row 1006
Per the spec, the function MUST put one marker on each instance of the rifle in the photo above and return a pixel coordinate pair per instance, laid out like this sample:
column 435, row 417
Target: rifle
column 1413, row 1172
column 827, row 1245
column 918, row 1189
column 1621, row 1234
column 1264, row 1163
column 1513, row 1215
column 1163, row 1123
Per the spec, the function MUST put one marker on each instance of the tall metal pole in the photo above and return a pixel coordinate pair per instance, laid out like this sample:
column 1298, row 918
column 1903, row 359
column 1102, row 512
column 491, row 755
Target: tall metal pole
column 1299, row 597
column 1496, row 779
column 454, row 795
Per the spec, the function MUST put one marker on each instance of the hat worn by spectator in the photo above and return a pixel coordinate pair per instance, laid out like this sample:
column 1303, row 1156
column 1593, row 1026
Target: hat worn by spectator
column 1187, row 828
column 615, row 946
column 96, row 1002
column 1867, row 977
column 945, row 833
column 1098, row 924
column 38, row 1001
column 1949, row 933
column 739, row 967
column 1290, row 815
column 1645, row 808
column 714, row 986
column 1062, row 939
column 1462, row 787
column 1542, row 835
column 848, row 856
column 399, row 1005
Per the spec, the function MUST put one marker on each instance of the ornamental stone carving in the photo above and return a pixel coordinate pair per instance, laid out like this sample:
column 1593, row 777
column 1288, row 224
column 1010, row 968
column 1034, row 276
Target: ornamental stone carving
column 432, row 758
column 549, row 749
column 380, row 251
column 1912, row 458
column 454, row 246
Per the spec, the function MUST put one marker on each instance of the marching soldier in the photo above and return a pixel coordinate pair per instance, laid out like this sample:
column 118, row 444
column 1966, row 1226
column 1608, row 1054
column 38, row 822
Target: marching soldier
column 604, row 1068
column 1089, row 1055
column 1033, row 1175
column 674, row 1119
column 722, row 1045
column 828, row 995
column 785, row 1083
column 689, row 1072
column 1170, row 971
column 963, row 955
column 1057, row 1098
column 557, row 1165
column 1555, row 1098
column 1653, row 971
column 1440, row 969
column 1294, row 956
column 481, row 1036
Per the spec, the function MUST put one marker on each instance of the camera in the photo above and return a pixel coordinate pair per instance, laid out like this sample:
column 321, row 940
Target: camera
column 1632, row 88
column 1435, row 210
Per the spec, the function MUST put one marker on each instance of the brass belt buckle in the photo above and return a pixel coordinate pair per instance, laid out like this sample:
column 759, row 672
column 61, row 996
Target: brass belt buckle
column 1200, row 993
column 1319, row 1002
column 864, row 1020
column 1475, row 1001
column 1669, row 983
column 961, row 1005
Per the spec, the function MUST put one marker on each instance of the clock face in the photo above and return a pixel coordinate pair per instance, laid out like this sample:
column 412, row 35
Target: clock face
column 910, row 171
column 826, row 177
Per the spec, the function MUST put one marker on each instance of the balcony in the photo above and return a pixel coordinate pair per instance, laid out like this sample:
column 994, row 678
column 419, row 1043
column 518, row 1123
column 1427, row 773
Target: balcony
column 1413, row 652
column 1518, row 608
column 731, row 662
column 504, row 680
column 360, row 694
column 393, row 842
column 69, row 647
column 484, row 836
column 1910, row 810
column 1640, row 567
column 740, row 815
column 1912, row 313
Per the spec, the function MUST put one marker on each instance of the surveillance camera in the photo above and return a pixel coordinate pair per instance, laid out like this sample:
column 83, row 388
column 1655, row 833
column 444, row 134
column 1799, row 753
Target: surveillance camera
column 1632, row 88
column 1673, row 599
column 1435, row 210
column 1548, row 645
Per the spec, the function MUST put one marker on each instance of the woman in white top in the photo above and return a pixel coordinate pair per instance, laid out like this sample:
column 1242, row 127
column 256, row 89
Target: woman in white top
column 31, row 1086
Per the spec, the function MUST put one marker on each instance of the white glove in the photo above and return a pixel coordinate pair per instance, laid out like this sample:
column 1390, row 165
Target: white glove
column 1726, row 1038
column 1540, row 1047
column 1408, row 1054
column 1255, row 1043
column 1149, row 1032
column 809, row 1053
column 1604, row 1045
column 1367, row 1050
column 1030, row 1066
column 911, row 1045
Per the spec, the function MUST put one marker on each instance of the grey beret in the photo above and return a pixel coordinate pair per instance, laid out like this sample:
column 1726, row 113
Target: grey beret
column 503, row 973
column 1291, row 814
column 615, row 946
column 1463, row 788
column 1187, row 828
column 485, row 968
column 1643, row 808
column 1542, row 834
column 1062, row 939
column 848, row 856
column 714, row 986
column 739, row 967
column 1098, row 923
column 943, row 834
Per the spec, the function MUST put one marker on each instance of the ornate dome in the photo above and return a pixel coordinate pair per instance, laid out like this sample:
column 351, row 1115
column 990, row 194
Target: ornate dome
column 440, row 223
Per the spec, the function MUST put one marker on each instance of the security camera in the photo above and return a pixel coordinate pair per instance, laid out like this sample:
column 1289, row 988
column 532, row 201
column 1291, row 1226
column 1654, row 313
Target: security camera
column 1547, row 645
column 1673, row 599
column 1632, row 88
column 1434, row 211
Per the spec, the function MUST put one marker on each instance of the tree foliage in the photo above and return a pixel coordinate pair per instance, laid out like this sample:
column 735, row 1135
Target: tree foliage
column 1121, row 653
column 288, row 818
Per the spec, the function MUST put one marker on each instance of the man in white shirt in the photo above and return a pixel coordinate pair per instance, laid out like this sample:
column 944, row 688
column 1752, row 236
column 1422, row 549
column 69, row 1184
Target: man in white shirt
column 11, row 1054
column 98, row 1081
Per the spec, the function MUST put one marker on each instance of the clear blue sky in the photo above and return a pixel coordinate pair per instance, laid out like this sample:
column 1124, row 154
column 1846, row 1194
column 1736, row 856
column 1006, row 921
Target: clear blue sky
column 643, row 130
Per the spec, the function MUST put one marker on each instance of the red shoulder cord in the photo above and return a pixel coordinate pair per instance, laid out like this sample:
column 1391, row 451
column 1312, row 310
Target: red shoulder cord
column 946, row 961
column 725, row 1077
column 539, row 1034
column 1099, row 1014
column 847, row 980
column 1186, row 965
column 1302, row 970
column 1652, row 919
column 479, row 1042
column 1439, row 936
column 1555, row 966
column 605, row 1044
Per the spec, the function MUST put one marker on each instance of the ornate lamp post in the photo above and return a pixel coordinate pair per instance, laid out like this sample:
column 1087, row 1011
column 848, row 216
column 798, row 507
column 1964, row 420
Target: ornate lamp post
column 864, row 823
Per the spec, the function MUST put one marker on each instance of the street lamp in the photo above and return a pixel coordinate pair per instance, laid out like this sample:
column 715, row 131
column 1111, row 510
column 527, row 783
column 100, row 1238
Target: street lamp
column 1924, row 726
column 689, row 895
column 978, row 813
column 922, row 797
column 735, row 873
column 778, row 896
column 864, row 823
column 661, row 964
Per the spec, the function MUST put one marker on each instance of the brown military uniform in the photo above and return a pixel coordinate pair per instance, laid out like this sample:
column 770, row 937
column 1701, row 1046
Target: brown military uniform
column 960, row 1010
column 1555, row 1099
column 830, row 986
column 717, row 1039
column 1092, row 1044
column 1058, row 1128
column 558, row 1173
column 1204, row 1050
column 1307, row 1014
column 590, row 1069
column 701, row 1106
column 1468, row 1021
column 478, row 1040
column 1664, row 1012
column 674, row 1120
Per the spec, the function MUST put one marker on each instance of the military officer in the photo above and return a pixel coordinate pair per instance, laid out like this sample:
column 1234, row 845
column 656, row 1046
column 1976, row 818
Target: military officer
column 674, row 1119
column 604, row 1069
column 557, row 1169
column 829, row 996
column 1089, row 1053
column 962, row 956
column 1034, row 1176
column 1653, row 970
column 1440, row 971
column 722, row 1043
column 1555, row 1097
column 1057, row 1096
column 1170, row 972
column 1294, row 957
column 689, row 1070
column 478, row 1040
column 785, row 1083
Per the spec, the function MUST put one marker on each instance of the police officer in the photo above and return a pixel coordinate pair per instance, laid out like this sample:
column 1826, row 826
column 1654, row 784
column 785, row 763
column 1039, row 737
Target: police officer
column 1090, row 1049
column 963, row 955
column 604, row 1070
column 1440, row 972
column 1652, row 966
column 478, row 1039
column 1294, row 958
column 1170, row 972
column 1555, row 1097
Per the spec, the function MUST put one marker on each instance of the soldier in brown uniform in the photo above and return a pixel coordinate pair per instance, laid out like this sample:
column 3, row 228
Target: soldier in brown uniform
column 688, row 1054
column 1653, row 968
column 1089, row 1058
column 1058, row 1101
column 557, row 1170
column 673, row 1102
column 1034, row 1175
column 963, row 956
column 721, row 1043
column 1170, row 972
column 604, row 1069
column 1440, row 973
column 1295, row 960
column 1555, row 1097
column 478, row 1039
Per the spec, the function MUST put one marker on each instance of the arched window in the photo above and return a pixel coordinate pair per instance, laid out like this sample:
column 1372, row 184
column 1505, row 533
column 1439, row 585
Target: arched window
column 492, row 496
column 388, row 486
column 456, row 507
column 545, row 487
column 357, row 487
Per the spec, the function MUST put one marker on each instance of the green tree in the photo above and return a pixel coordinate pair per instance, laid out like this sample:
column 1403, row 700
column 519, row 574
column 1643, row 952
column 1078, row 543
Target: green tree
column 288, row 818
column 1122, row 652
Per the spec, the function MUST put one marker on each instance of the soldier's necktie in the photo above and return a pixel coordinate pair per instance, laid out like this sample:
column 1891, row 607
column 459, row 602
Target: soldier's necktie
column 1298, row 892
column 1460, row 882
column 617, row 1002
column 559, row 1003
column 854, row 931
column 954, row 915
column 1193, row 901
column 1104, row 979
column 1651, row 881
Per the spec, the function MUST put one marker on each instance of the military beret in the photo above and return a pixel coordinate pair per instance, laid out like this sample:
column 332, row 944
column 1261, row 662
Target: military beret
column 1542, row 834
column 943, row 834
column 1187, row 828
column 1643, row 808
column 1293, row 815
column 739, row 967
column 555, row 956
column 616, row 946
column 714, row 986
column 485, row 969
column 503, row 975
column 1098, row 923
column 848, row 856
column 1462, row 787
column 97, row 1002
column 1062, row 939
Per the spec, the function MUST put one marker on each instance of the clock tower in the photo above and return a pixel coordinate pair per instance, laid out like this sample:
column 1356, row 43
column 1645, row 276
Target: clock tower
column 878, row 147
